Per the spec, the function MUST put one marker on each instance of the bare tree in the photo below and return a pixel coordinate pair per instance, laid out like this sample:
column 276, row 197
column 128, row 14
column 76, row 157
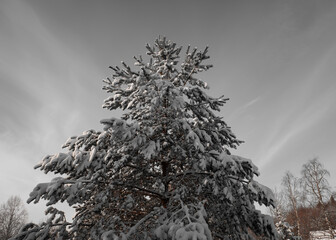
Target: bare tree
column 293, row 194
column 279, row 201
column 13, row 216
column 314, row 177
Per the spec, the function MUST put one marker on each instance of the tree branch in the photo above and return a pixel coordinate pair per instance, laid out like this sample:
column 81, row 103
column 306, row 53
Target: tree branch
column 150, row 192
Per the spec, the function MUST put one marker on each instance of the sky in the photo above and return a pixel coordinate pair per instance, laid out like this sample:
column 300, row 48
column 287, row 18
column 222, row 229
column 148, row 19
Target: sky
column 275, row 60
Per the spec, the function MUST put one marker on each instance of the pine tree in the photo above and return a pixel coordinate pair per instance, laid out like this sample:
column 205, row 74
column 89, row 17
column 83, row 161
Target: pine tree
column 284, row 229
column 162, row 171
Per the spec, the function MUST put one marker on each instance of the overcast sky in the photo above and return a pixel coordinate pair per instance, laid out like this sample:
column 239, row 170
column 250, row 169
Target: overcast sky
column 275, row 60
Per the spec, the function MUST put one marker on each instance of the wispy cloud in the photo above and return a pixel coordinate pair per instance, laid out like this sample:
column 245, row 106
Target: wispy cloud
column 307, row 109
column 242, row 109
column 44, row 82
column 43, row 96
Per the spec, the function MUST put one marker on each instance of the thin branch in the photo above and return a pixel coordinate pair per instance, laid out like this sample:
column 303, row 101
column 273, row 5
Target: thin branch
column 151, row 192
column 205, row 173
column 133, row 229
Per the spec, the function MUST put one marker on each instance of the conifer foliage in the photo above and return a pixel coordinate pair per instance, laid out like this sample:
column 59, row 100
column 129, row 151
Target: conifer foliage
column 163, row 171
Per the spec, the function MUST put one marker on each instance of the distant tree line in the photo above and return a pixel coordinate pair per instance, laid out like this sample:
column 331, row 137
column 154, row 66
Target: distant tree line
column 306, row 203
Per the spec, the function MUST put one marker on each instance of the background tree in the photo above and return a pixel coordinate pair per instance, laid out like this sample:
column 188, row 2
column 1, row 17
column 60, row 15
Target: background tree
column 279, row 212
column 279, row 203
column 314, row 176
column 283, row 227
column 162, row 171
column 13, row 216
column 292, row 192
column 300, row 205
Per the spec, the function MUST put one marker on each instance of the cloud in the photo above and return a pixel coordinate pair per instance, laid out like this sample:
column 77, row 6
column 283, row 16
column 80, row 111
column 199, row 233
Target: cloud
column 308, row 109
column 44, row 97
column 45, row 89
column 242, row 109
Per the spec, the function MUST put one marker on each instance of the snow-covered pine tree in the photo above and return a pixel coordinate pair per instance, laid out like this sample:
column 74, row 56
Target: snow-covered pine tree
column 162, row 171
column 282, row 226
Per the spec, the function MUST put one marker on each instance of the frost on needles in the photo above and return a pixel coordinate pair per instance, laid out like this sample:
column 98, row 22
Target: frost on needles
column 163, row 171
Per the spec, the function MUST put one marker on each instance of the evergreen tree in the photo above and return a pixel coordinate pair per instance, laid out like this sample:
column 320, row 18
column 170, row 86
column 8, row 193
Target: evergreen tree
column 278, row 212
column 284, row 229
column 162, row 171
